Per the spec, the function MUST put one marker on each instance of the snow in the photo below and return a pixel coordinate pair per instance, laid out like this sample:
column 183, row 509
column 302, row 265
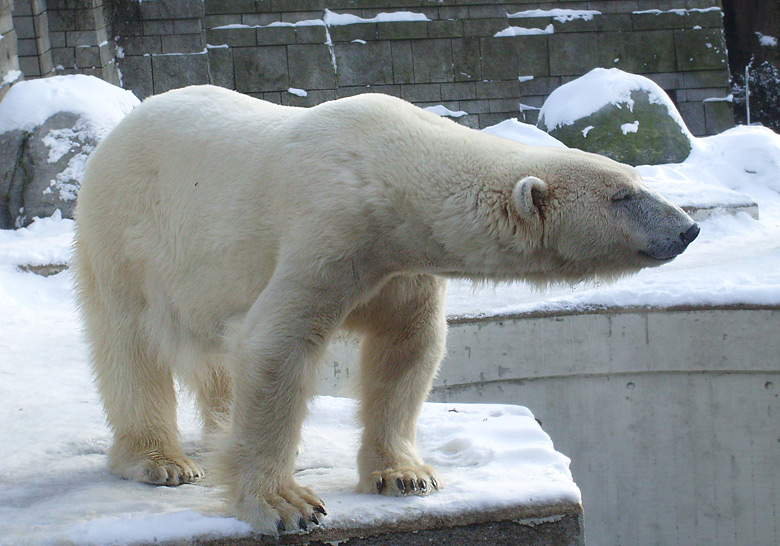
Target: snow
column 560, row 15
column 766, row 41
column 333, row 19
column 54, row 484
column 30, row 103
column 628, row 128
column 298, row 92
column 595, row 90
column 522, row 31
column 442, row 110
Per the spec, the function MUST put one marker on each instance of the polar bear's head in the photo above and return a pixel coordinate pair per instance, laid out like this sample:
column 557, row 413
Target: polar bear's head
column 597, row 218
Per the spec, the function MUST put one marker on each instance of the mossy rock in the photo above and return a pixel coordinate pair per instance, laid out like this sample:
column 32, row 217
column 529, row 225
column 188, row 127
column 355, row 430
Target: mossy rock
column 624, row 116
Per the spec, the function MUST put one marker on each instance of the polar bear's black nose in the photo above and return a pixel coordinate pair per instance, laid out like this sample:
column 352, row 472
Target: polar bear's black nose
column 688, row 237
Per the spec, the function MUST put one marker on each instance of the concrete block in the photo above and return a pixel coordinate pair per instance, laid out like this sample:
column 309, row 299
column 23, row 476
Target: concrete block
column 533, row 56
column 141, row 45
column 173, row 71
column 453, row 12
column 704, row 19
column 234, row 37
column 297, row 5
column 488, row 120
column 57, row 39
column 394, row 90
column 458, row 91
column 219, row 7
column 187, row 26
column 617, row 6
column 637, row 52
column 59, row 20
column 310, row 67
column 364, row 64
column 261, row 69
column 484, row 27
column 539, row 86
column 718, row 116
column 22, row 8
column 64, row 57
column 359, row 31
column 298, row 16
column 182, row 43
column 475, row 107
column 705, row 78
column 87, row 57
column 432, row 61
column 466, row 59
column 693, row 115
column 499, row 58
column 657, row 21
column 175, row 9
column 275, row 35
column 488, row 11
column 407, row 30
column 700, row 49
column 313, row 34
column 427, row 92
column 258, row 19
column 25, row 29
column 403, row 64
column 572, row 54
column 445, row 28
column 75, row 38
column 26, row 47
column 151, row 28
column 221, row 67
column 6, row 22
column 497, row 90
column 211, row 21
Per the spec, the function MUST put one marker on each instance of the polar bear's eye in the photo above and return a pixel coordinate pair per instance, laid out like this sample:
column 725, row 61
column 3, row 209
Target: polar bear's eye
column 622, row 195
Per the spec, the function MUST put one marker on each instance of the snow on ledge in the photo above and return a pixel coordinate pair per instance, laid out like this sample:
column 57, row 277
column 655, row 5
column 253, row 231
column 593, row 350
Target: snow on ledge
column 443, row 111
column 560, row 15
column 522, row 31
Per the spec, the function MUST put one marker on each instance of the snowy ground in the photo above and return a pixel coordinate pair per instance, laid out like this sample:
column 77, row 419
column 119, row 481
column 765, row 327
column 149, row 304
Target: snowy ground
column 54, row 486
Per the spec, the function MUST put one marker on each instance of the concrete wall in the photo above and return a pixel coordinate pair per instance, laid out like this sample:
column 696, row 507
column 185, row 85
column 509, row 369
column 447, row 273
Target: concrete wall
column 670, row 417
column 454, row 58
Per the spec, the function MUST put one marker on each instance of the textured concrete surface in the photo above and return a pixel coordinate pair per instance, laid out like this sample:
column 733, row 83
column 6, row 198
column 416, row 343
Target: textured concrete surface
column 559, row 525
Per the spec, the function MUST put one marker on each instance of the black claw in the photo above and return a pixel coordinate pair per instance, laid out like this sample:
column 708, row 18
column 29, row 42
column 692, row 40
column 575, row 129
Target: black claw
column 423, row 485
column 434, row 484
column 399, row 483
column 321, row 510
column 280, row 526
column 380, row 485
column 314, row 520
column 302, row 524
column 413, row 485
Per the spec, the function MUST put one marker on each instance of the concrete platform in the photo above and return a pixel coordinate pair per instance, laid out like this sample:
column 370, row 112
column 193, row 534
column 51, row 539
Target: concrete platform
column 669, row 415
column 542, row 525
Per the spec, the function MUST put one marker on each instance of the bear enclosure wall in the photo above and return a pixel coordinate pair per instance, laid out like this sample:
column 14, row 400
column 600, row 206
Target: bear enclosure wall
column 492, row 59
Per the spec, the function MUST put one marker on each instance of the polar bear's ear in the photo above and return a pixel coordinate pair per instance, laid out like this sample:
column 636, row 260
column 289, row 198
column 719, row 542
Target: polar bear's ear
column 528, row 196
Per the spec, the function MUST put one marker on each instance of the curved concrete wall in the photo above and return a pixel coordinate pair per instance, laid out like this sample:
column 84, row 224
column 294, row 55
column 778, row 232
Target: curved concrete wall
column 670, row 416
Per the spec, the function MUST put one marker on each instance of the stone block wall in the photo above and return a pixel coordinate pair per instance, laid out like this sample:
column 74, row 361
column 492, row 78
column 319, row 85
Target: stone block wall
column 492, row 59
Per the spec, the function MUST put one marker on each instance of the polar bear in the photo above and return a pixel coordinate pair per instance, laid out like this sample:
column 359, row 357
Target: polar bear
column 223, row 240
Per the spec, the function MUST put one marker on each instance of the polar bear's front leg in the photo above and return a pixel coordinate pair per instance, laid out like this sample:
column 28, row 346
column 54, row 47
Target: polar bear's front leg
column 405, row 329
column 272, row 359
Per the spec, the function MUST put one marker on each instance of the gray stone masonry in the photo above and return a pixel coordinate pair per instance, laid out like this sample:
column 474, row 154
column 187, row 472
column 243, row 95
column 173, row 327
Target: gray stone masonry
column 263, row 48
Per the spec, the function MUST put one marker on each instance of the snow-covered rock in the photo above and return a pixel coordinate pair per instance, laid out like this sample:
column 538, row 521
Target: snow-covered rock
column 623, row 116
column 48, row 127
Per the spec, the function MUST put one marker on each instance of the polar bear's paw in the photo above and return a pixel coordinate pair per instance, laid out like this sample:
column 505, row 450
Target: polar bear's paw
column 287, row 509
column 157, row 468
column 411, row 480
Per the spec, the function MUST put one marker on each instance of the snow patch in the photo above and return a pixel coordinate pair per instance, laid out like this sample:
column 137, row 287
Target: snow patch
column 560, row 15
column 297, row 92
column 522, row 31
column 443, row 111
column 30, row 103
column 630, row 127
column 766, row 41
column 597, row 89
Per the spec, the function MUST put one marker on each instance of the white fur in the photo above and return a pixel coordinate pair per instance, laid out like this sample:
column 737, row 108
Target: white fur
column 224, row 240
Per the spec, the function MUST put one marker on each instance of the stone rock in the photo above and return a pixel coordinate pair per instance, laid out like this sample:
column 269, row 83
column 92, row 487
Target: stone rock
column 40, row 170
column 638, row 124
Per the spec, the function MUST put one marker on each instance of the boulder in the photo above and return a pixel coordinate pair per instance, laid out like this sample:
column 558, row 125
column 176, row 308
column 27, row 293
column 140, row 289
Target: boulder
column 623, row 116
column 48, row 128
